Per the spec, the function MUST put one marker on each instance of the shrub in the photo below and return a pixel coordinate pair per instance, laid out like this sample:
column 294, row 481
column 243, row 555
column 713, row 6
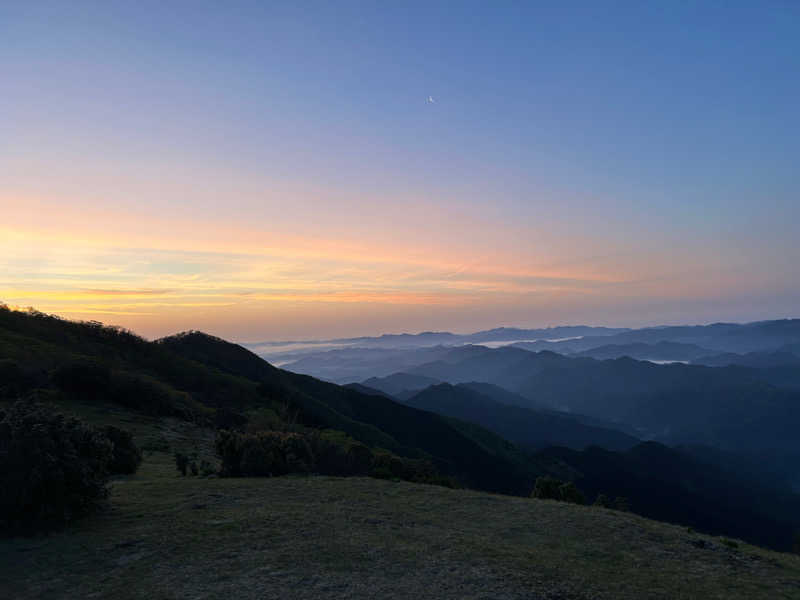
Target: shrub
column 570, row 493
column 550, row 488
column 263, row 453
column 54, row 468
column 295, row 451
column 619, row 503
column 13, row 380
column 602, row 500
column 181, row 462
column 387, row 466
column 330, row 456
column 272, row 453
column 622, row 503
column 125, row 457
column 261, row 419
column 547, row 488
column 225, row 418
column 359, row 459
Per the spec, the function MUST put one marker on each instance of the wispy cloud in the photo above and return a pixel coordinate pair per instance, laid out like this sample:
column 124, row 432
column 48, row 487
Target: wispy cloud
column 157, row 279
column 122, row 292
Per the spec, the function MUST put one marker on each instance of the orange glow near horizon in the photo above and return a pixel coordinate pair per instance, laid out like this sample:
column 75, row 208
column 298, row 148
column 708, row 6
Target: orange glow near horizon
column 159, row 274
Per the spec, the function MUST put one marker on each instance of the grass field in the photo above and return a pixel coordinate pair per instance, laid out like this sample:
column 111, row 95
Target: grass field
column 166, row 536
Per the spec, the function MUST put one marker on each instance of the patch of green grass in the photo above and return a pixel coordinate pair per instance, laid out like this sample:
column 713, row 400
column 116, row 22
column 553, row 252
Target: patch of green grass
column 167, row 536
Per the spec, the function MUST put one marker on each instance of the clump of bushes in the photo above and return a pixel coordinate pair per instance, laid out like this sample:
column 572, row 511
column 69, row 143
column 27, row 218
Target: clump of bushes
column 263, row 453
column 181, row 462
column 619, row 503
column 550, row 488
column 54, row 468
column 622, row 503
column 339, row 455
column 125, row 455
column 188, row 464
column 273, row 453
column 417, row 470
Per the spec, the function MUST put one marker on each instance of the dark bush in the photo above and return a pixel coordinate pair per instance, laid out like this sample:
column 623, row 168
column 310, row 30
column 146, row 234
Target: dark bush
column 125, row 457
column 181, row 462
column 550, row 488
column 13, row 380
column 622, row 503
column 388, row 466
column 225, row 418
column 271, row 453
column 603, row 500
column 570, row 493
column 422, row 471
column 54, row 468
column 264, row 453
column 294, row 450
column 359, row 459
column 547, row 488
column 330, row 457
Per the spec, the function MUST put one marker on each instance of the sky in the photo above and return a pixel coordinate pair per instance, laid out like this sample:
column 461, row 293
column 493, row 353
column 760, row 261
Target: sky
column 301, row 170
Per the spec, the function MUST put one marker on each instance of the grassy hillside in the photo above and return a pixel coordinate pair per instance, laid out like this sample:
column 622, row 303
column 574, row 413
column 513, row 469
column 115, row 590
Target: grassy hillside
column 166, row 536
column 195, row 382
column 203, row 379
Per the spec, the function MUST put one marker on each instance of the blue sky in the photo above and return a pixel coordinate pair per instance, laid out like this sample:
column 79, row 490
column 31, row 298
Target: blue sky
column 630, row 142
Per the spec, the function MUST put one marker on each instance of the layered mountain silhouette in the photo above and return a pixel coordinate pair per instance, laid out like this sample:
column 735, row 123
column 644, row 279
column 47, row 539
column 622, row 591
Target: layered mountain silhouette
column 485, row 417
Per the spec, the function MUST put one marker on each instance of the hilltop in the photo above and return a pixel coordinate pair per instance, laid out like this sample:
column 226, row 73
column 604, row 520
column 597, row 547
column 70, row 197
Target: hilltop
column 308, row 537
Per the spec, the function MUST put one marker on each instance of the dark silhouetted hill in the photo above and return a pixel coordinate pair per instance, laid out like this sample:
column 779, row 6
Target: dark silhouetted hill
column 525, row 427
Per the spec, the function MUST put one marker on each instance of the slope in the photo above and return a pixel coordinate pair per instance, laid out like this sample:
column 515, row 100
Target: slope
column 527, row 428
column 313, row 537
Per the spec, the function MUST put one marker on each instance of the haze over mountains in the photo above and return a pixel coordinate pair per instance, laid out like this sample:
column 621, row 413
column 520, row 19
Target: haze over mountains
column 734, row 387
column 738, row 342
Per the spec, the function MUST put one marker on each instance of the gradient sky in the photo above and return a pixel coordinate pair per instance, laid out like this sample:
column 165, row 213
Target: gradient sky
column 277, row 170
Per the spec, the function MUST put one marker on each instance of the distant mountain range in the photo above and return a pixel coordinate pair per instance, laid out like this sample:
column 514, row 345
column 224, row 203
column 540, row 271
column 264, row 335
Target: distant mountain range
column 764, row 343
column 287, row 349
